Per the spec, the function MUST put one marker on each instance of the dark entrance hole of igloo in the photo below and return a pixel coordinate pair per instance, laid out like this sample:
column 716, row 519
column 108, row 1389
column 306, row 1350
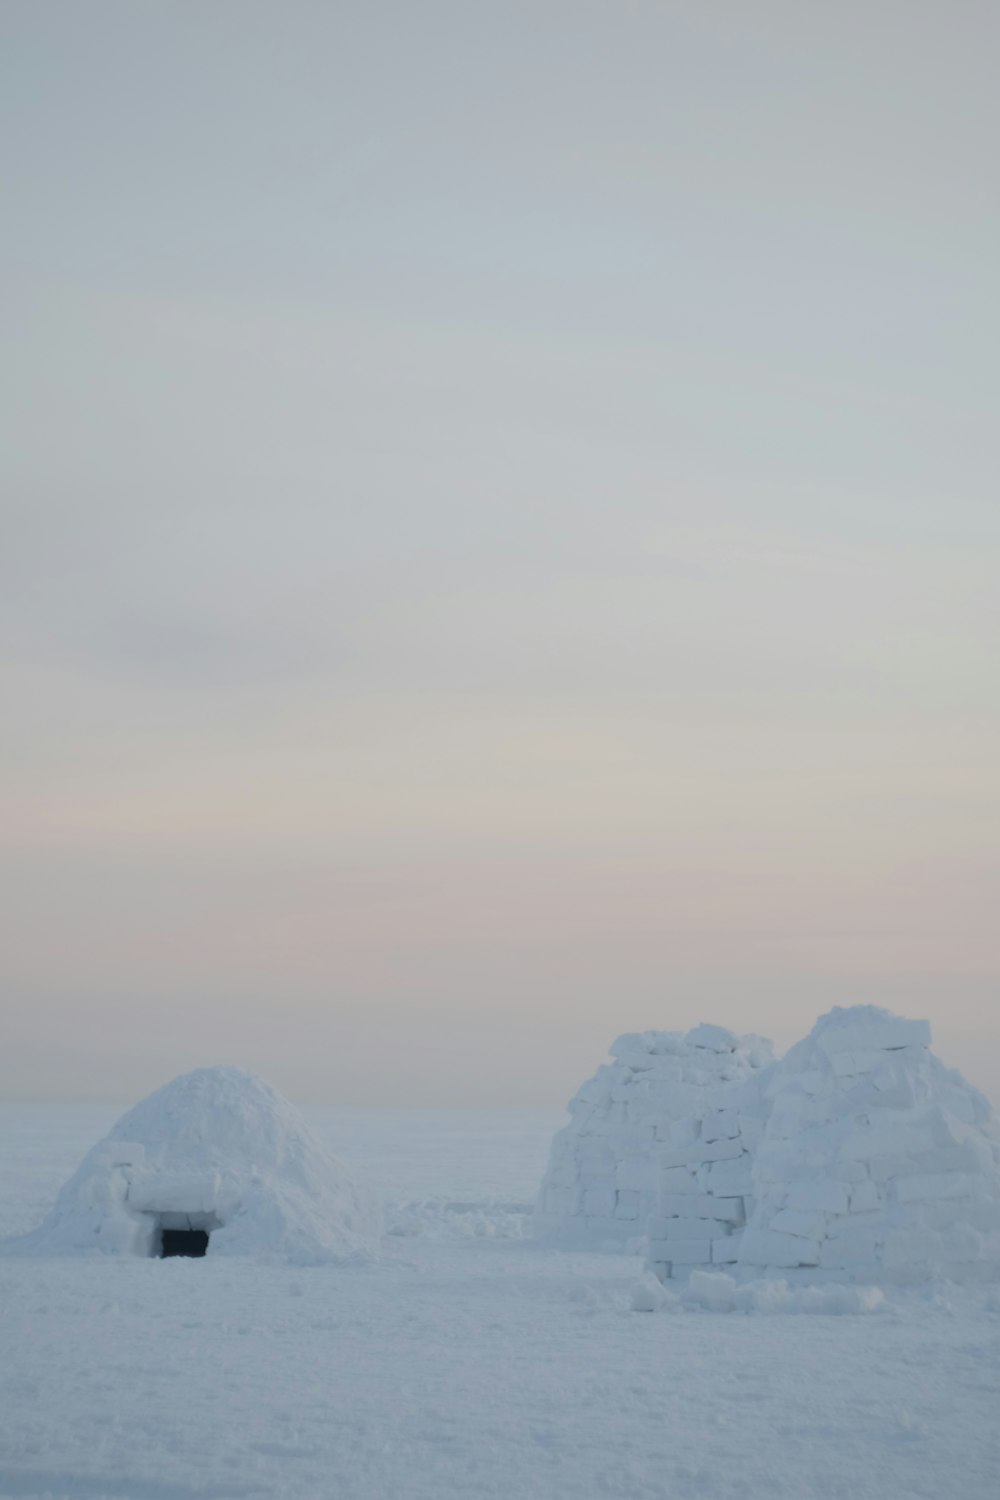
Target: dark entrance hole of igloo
column 183, row 1242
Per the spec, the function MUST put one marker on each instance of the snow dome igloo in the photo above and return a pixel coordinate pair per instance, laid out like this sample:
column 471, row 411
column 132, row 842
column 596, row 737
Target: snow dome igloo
column 604, row 1174
column 878, row 1163
column 215, row 1161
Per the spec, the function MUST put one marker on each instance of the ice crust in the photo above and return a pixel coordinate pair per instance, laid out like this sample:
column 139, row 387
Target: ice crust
column 218, row 1149
column 859, row 1158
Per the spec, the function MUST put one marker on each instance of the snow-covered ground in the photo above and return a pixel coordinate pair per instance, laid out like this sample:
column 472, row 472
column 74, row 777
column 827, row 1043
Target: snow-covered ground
column 467, row 1362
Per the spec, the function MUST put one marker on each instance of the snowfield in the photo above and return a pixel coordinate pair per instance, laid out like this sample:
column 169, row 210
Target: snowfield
column 468, row 1361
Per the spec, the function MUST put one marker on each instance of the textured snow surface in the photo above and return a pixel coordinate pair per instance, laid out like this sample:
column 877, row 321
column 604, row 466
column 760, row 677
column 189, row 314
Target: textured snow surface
column 463, row 1366
column 216, row 1149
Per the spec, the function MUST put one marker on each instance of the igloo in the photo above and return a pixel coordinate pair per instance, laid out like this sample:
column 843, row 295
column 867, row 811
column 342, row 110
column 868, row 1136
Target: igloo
column 877, row 1162
column 215, row 1161
column 859, row 1157
column 604, row 1174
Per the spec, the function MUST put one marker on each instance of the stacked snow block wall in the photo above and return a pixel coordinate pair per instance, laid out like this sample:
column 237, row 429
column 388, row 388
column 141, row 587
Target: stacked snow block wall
column 705, row 1170
column 604, row 1177
column 877, row 1163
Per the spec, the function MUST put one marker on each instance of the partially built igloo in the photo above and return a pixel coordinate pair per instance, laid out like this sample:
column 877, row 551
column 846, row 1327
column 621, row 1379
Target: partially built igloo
column 604, row 1174
column 859, row 1157
column 214, row 1161
column 878, row 1163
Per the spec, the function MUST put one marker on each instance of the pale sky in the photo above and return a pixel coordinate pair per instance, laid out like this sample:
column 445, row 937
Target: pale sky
column 501, row 535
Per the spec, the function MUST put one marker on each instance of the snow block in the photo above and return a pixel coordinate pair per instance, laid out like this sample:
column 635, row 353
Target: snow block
column 599, row 1202
column 174, row 1192
column 685, row 1252
column 818, row 1195
column 637, row 1173
column 720, row 1124
column 685, row 1156
column 701, row 1206
column 691, row 1253
column 849, row 1064
column 560, row 1200
column 768, row 1247
column 726, row 1250
column 875, row 1035
column 852, row 1250
column 730, row 1178
column 864, row 1197
column 678, row 1180
column 712, row 1038
column 936, row 1185
column 630, row 1044
column 903, row 1139
column 685, row 1229
column 973, row 1155
column 851, row 1171
column 811, row 1226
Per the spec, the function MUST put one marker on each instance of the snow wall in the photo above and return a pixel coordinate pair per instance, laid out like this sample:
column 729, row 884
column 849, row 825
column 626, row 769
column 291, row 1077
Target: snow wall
column 604, row 1173
column 859, row 1157
column 216, row 1150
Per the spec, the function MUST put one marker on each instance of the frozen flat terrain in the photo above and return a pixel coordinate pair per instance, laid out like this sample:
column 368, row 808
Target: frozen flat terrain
column 468, row 1362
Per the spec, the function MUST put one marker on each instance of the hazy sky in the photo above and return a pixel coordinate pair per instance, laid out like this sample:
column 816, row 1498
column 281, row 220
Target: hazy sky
column 501, row 534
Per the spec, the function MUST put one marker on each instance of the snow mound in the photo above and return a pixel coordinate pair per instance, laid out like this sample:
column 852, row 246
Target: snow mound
column 714, row 1291
column 650, row 1295
column 877, row 1162
column 217, row 1151
column 604, row 1173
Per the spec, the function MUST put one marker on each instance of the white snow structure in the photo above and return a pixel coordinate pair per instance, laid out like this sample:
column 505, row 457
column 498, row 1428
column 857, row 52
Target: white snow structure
column 604, row 1174
column 878, row 1163
column 705, row 1175
column 219, row 1161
